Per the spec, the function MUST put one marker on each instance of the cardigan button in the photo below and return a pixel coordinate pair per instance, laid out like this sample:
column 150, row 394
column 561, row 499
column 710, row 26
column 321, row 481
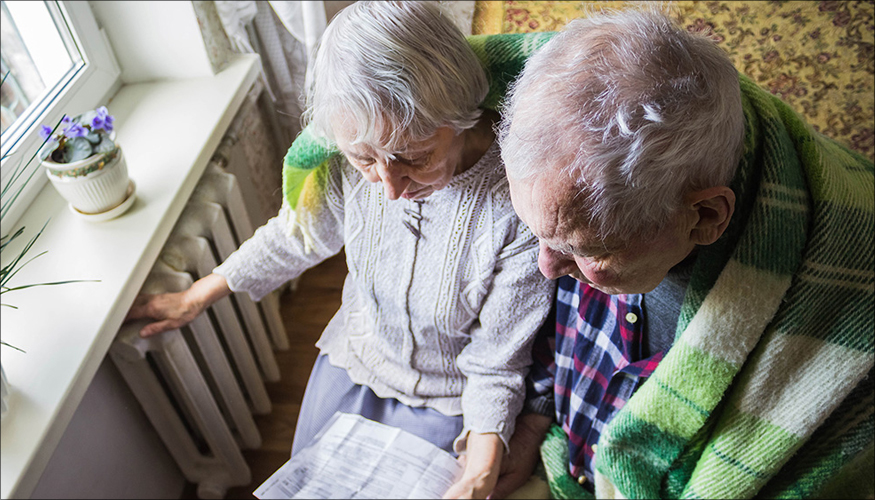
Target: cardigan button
column 594, row 448
column 631, row 317
column 581, row 480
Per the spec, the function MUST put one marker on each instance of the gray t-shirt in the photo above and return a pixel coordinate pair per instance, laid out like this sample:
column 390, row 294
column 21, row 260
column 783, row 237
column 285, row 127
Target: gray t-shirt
column 662, row 307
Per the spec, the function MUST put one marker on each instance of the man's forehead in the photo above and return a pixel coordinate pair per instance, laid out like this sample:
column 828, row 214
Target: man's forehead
column 552, row 203
column 559, row 216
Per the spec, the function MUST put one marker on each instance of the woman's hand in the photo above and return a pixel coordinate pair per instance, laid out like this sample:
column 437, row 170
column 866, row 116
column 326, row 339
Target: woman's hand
column 482, row 462
column 175, row 310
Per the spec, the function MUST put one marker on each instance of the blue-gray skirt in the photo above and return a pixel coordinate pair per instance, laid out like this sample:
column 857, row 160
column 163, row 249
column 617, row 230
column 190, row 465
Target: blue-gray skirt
column 330, row 390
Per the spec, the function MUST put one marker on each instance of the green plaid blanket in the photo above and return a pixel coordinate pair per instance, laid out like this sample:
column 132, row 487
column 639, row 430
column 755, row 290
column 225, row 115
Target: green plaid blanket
column 768, row 390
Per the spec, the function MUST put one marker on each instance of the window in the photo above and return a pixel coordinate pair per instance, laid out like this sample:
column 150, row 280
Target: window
column 34, row 60
column 55, row 60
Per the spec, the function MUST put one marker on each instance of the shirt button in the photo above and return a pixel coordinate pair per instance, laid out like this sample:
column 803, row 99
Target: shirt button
column 631, row 317
column 581, row 479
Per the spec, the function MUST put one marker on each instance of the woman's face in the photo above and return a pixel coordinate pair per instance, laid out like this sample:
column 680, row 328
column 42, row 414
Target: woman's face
column 414, row 171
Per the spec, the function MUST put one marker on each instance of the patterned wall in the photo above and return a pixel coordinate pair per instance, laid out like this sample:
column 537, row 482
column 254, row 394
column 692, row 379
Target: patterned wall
column 817, row 56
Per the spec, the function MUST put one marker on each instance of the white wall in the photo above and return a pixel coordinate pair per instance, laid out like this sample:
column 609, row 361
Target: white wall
column 110, row 450
column 154, row 40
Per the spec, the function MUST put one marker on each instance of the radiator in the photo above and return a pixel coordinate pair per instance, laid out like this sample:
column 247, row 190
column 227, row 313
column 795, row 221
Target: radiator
column 201, row 384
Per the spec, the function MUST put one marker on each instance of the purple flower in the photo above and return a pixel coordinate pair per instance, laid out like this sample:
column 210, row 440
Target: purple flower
column 102, row 120
column 45, row 132
column 74, row 130
column 97, row 123
column 66, row 120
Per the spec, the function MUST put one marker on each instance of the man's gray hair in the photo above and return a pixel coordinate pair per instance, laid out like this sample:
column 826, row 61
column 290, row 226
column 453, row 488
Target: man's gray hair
column 396, row 72
column 636, row 111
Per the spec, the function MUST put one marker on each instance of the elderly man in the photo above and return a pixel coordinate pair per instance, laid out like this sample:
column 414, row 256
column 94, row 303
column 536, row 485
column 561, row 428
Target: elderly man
column 714, row 333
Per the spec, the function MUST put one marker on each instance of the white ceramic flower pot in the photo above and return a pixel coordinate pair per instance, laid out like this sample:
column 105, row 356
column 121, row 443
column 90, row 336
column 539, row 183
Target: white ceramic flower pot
column 93, row 185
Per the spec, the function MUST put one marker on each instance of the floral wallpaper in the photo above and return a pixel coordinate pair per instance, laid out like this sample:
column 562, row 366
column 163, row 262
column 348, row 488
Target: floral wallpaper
column 817, row 56
column 215, row 40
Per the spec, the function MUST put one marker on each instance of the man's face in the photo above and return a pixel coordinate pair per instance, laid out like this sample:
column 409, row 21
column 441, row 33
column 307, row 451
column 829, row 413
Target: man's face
column 545, row 203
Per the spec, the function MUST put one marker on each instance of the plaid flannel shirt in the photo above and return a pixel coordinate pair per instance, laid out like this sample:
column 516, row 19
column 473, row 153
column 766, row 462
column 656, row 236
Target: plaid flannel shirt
column 592, row 364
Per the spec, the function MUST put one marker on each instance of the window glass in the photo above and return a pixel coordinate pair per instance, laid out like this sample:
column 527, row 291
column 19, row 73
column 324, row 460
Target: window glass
column 38, row 55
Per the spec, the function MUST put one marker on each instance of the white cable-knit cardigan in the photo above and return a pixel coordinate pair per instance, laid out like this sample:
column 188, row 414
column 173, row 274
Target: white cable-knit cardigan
column 443, row 320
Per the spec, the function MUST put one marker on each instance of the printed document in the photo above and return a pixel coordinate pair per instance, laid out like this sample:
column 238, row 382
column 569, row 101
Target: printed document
column 353, row 457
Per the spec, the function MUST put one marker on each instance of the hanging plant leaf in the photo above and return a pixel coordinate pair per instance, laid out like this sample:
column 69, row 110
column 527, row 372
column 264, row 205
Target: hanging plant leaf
column 79, row 149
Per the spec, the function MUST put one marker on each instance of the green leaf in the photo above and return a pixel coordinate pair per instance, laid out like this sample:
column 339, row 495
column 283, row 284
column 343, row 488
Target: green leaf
column 13, row 267
column 106, row 145
column 24, row 287
column 79, row 148
column 93, row 137
column 9, row 272
column 86, row 117
column 47, row 149
column 8, row 239
column 12, row 346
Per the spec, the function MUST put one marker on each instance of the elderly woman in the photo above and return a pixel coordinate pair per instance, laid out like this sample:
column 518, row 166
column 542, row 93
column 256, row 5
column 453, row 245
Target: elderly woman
column 443, row 296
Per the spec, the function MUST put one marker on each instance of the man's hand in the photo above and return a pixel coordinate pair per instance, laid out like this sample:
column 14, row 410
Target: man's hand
column 519, row 464
column 482, row 462
column 175, row 310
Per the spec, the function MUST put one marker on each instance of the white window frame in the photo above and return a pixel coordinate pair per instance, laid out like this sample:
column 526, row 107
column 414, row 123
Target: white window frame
column 91, row 86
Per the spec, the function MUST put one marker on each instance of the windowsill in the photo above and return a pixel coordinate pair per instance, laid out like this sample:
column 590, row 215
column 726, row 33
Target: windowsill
column 168, row 131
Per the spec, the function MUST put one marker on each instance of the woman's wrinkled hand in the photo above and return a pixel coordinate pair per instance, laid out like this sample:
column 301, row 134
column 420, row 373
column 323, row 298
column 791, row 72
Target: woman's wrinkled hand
column 171, row 310
column 482, row 462
column 177, row 309
column 475, row 486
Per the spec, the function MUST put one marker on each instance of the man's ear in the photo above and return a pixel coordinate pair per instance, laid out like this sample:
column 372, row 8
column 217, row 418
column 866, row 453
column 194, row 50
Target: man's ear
column 713, row 208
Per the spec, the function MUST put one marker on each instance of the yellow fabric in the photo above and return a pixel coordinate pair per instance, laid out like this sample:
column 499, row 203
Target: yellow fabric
column 534, row 489
column 817, row 56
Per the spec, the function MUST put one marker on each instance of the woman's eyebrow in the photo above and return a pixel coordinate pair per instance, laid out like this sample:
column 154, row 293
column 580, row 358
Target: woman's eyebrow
column 358, row 156
column 410, row 151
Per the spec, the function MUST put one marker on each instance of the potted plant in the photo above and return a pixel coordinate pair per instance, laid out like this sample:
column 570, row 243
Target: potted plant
column 85, row 164
column 8, row 195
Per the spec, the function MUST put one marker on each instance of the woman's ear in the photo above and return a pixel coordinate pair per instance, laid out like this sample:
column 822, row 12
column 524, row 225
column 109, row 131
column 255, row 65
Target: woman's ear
column 713, row 207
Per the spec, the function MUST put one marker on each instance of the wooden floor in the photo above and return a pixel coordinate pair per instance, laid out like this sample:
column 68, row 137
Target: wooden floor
column 305, row 313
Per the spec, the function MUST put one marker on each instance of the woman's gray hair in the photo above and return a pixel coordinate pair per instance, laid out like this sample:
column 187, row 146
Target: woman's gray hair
column 636, row 111
column 395, row 72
